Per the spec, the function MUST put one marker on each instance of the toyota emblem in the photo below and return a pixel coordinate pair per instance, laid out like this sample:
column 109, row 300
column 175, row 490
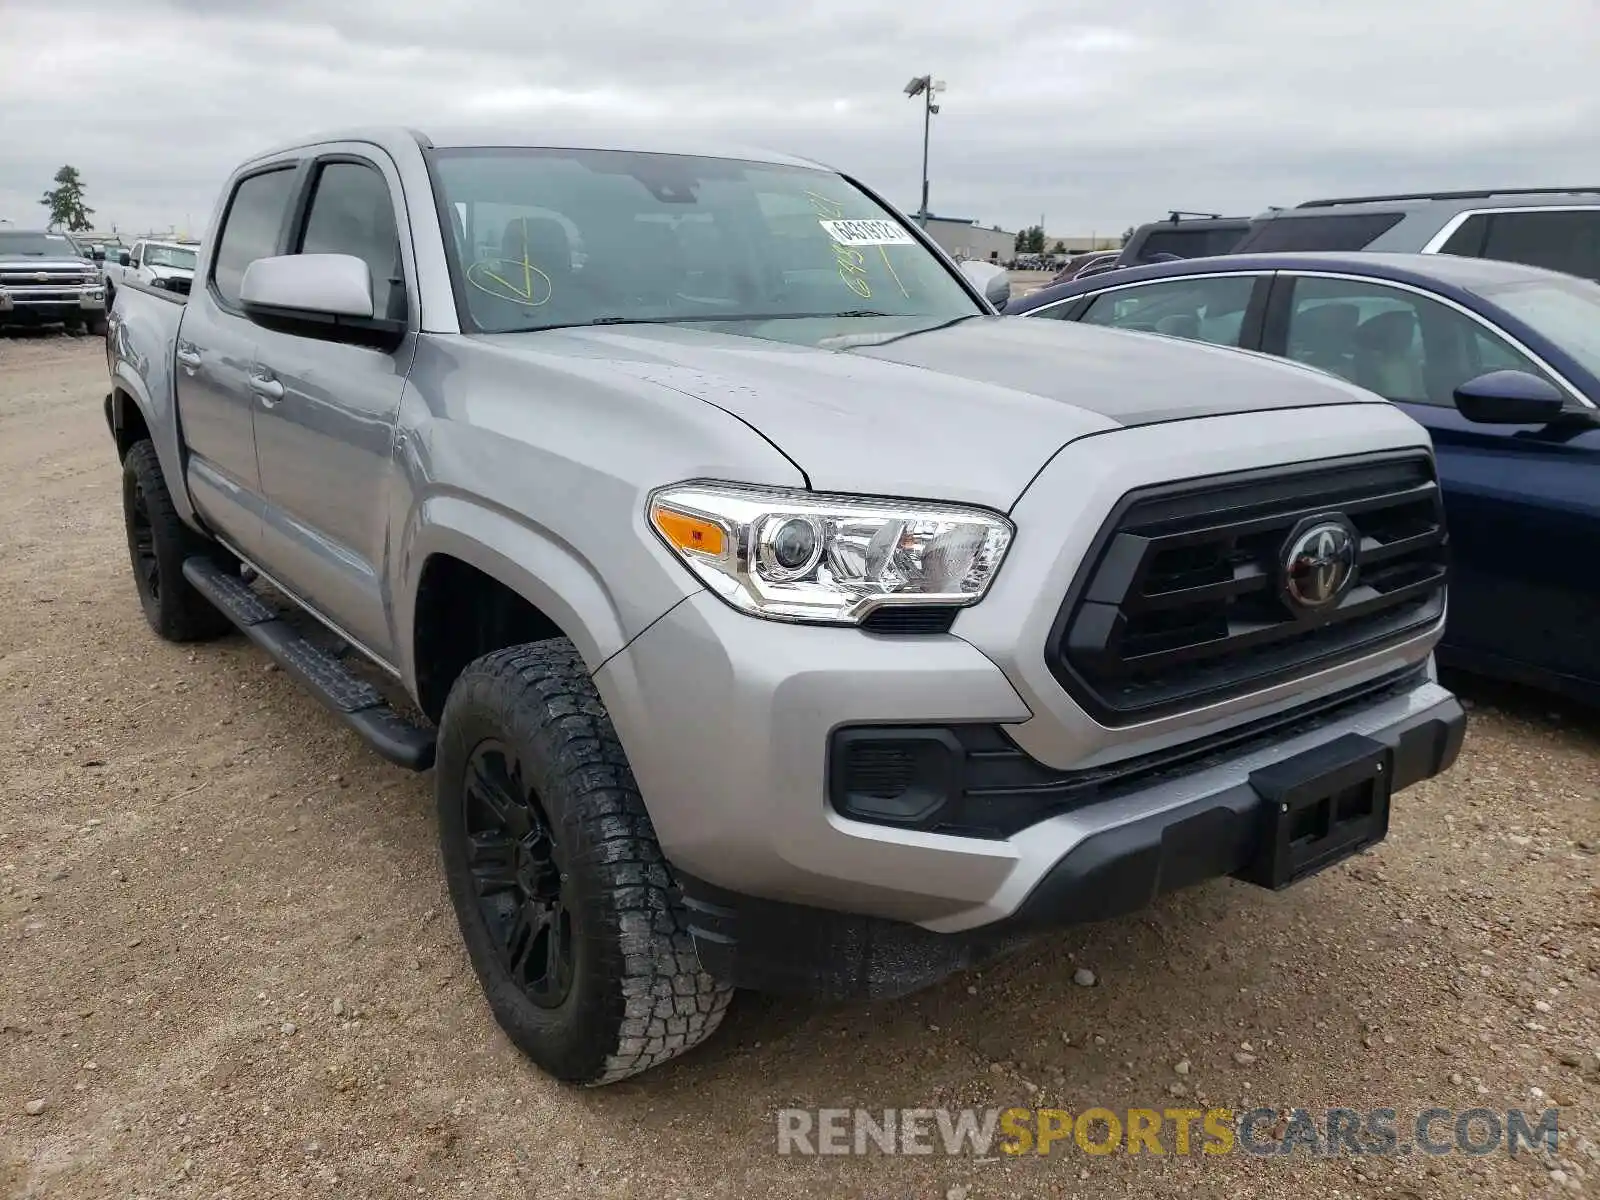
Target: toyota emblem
column 1319, row 563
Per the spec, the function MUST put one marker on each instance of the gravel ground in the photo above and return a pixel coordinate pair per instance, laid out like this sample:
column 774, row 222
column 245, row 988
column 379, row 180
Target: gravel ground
column 228, row 965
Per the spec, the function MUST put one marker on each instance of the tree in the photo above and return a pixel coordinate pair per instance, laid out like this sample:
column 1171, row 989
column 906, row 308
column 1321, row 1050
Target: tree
column 1127, row 235
column 1035, row 244
column 1061, row 247
column 1020, row 243
column 65, row 202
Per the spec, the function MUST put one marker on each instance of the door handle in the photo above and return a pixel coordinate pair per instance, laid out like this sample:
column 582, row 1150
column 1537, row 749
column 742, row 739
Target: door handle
column 268, row 388
column 189, row 358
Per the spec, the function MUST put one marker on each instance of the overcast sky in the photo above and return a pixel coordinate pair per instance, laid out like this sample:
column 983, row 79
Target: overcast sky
column 1096, row 115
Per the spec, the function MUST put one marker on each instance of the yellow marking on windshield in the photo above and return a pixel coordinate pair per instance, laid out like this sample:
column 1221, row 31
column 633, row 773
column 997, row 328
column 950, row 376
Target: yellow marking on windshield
column 483, row 269
column 892, row 273
column 851, row 262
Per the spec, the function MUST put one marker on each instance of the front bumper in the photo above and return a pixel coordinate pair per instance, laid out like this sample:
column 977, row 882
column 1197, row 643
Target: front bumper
column 727, row 721
column 51, row 303
column 774, row 946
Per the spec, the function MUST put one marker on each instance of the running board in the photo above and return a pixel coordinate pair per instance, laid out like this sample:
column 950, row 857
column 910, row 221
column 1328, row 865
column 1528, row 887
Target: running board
column 354, row 701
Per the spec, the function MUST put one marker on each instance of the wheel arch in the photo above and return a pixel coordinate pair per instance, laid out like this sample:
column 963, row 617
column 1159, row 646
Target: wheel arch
column 479, row 580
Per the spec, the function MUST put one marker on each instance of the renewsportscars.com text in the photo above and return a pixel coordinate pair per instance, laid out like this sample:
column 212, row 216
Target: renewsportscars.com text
column 1178, row 1131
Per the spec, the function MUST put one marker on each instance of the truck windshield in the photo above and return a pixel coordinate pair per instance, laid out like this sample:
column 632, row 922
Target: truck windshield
column 1567, row 311
column 36, row 245
column 169, row 256
column 544, row 238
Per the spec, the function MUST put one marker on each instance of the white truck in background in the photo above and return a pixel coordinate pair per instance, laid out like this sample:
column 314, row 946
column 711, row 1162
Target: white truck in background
column 162, row 264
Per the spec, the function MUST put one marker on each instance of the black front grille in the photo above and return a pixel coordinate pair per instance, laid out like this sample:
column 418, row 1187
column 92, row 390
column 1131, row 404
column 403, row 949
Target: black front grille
column 1181, row 602
column 55, row 278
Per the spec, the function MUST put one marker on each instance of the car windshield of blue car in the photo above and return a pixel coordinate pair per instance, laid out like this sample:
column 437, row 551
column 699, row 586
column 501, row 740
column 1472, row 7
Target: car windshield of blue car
column 545, row 239
column 1567, row 311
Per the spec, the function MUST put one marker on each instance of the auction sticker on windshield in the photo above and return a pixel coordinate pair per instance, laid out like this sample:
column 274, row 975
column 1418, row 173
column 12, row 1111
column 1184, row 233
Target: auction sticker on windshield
column 867, row 233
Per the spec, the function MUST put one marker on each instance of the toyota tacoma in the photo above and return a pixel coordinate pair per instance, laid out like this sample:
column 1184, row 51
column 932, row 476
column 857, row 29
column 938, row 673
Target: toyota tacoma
column 770, row 611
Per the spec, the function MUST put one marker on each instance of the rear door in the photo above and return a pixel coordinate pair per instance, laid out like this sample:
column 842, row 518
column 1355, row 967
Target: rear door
column 216, row 345
column 326, row 411
column 1523, row 503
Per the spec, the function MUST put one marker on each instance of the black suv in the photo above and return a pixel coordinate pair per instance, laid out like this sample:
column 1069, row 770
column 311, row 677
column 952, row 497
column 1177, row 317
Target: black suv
column 1183, row 235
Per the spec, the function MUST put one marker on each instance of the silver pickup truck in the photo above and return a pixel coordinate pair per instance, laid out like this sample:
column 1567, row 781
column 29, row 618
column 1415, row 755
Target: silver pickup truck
column 770, row 611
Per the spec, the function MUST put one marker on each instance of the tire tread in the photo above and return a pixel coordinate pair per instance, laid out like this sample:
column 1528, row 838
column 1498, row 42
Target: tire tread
column 663, row 1003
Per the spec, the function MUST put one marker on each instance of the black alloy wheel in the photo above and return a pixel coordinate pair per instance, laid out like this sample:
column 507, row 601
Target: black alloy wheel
column 142, row 545
column 517, row 875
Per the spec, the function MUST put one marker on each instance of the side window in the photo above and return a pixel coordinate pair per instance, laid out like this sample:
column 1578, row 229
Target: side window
column 1559, row 241
column 1351, row 231
column 1397, row 343
column 250, row 229
column 1203, row 309
column 351, row 213
column 1467, row 240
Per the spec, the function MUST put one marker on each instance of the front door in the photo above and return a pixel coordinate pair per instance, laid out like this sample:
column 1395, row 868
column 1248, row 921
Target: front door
column 326, row 415
column 215, row 350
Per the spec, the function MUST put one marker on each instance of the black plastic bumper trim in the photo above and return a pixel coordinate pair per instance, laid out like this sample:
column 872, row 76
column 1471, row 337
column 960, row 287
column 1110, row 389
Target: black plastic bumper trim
column 1120, row 870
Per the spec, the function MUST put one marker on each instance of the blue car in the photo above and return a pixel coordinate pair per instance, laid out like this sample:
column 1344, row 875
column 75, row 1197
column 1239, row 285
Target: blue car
column 1500, row 361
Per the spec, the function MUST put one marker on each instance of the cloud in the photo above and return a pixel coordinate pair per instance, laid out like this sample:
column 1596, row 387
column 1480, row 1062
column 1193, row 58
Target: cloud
column 1096, row 115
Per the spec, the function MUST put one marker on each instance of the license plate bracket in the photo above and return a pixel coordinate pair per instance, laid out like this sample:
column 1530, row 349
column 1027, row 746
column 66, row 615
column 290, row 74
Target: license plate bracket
column 1320, row 807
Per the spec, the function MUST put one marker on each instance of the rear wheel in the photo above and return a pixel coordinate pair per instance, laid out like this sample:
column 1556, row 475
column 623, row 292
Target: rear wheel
column 158, row 544
column 570, row 914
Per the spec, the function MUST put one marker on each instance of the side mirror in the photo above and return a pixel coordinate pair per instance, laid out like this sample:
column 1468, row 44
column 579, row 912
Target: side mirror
column 97, row 253
column 122, row 257
column 327, row 296
column 1510, row 398
column 989, row 278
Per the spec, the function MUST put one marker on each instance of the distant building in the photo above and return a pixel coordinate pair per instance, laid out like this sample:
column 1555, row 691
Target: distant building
column 966, row 239
column 1080, row 244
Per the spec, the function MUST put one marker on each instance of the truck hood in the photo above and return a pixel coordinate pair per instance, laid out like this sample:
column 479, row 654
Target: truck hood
column 967, row 412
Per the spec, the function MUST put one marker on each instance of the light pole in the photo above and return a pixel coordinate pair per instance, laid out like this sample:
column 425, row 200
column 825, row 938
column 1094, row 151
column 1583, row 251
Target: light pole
column 927, row 87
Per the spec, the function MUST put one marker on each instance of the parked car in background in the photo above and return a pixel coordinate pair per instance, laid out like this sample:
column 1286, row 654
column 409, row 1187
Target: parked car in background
column 161, row 264
column 47, row 279
column 692, row 559
column 1501, row 363
column 1555, row 228
column 1080, row 264
column 1182, row 235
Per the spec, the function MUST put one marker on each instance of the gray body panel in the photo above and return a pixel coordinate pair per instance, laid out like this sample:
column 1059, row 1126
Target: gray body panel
column 531, row 458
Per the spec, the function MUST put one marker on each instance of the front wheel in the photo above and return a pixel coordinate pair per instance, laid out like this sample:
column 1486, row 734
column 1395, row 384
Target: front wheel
column 570, row 914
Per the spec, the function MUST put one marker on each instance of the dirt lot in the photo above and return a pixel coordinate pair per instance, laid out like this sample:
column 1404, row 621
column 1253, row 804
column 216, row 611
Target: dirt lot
column 228, row 965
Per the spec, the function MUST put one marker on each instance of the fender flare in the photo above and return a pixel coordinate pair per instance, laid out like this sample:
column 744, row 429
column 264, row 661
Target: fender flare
column 128, row 388
column 544, row 571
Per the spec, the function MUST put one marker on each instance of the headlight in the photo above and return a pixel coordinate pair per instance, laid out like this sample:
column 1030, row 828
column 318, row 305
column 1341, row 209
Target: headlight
column 802, row 556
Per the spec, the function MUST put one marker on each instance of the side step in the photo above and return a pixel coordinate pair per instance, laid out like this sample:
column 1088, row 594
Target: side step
column 357, row 703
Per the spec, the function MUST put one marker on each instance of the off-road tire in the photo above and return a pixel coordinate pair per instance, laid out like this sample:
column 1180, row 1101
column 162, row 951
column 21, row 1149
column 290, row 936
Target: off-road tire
column 158, row 544
column 637, row 995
